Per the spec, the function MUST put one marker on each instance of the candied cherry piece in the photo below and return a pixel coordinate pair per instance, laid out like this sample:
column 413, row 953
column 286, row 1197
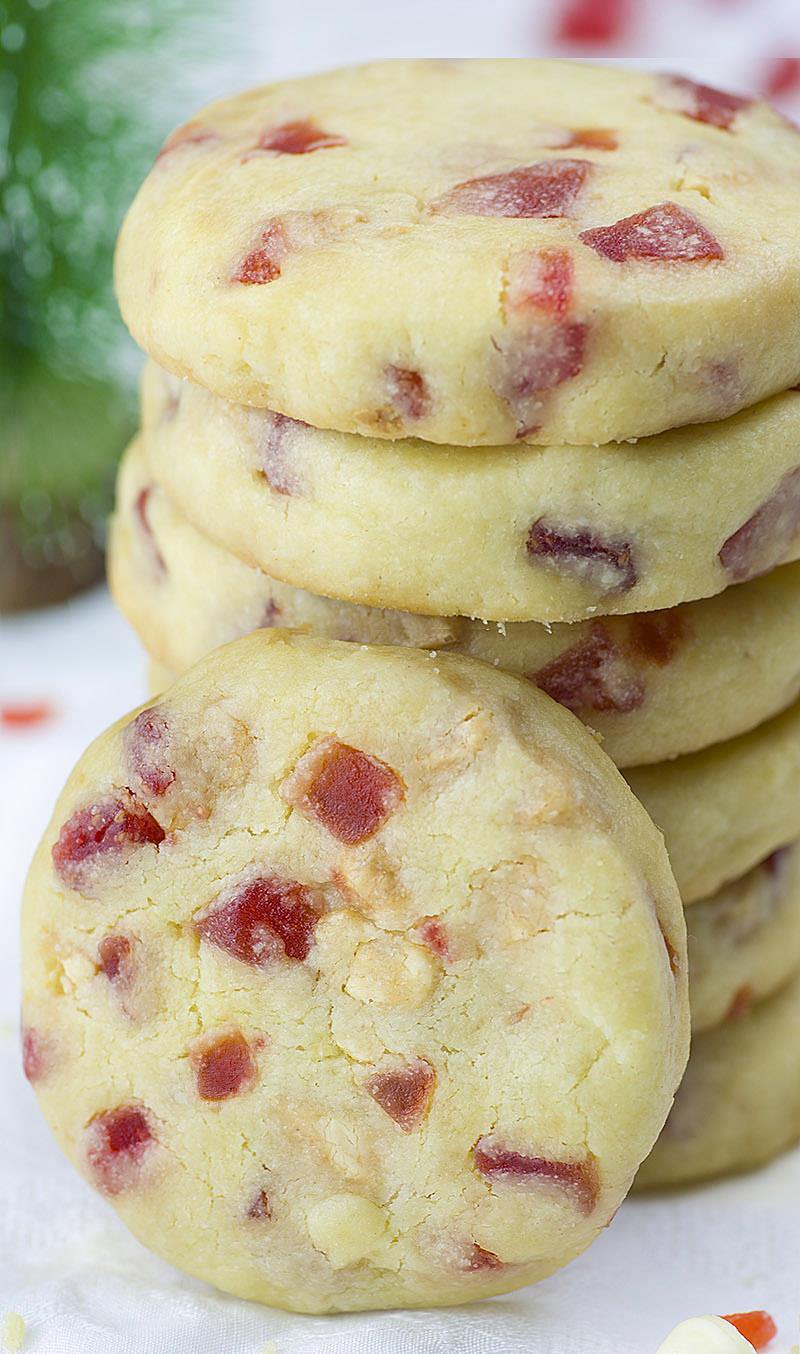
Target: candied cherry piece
column 25, row 714
column 528, row 364
column 607, row 566
column 781, row 77
column 269, row 917
column 408, row 392
column 665, row 232
column 546, row 189
column 115, row 956
column 593, row 23
column 757, row 1327
column 298, row 138
column 36, row 1054
column 577, row 1178
column 117, row 1143
column 544, row 279
column 275, row 439
column 763, row 540
column 433, row 933
column 592, row 138
column 404, row 1093
column 113, row 825
column 224, row 1066
column 476, row 1260
column 263, row 263
column 347, row 791
column 592, row 675
column 701, row 103
column 141, row 509
column 656, row 635
column 147, row 741
column 260, row 1209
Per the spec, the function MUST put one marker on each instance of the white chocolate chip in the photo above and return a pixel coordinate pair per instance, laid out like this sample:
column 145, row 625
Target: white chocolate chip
column 13, row 1331
column 392, row 972
column 705, row 1335
column 346, row 1228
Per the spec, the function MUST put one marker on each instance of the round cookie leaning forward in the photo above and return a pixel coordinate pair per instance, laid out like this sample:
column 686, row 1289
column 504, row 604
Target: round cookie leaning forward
column 739, row 1103
column 653, row 686
column 586, row 254
column 322, row 976
column 510, row 534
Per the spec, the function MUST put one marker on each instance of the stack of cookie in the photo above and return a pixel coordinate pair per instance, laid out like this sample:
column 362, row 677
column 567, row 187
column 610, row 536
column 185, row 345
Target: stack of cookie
column 499, row 357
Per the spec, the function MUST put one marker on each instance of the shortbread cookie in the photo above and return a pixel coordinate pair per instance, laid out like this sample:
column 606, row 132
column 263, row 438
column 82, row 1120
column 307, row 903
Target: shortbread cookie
column 744, row 941
column 353, row 977
column 654, row 686
column 547, row 534
column 726, row 808
column 739, row 1103
column 475, row 252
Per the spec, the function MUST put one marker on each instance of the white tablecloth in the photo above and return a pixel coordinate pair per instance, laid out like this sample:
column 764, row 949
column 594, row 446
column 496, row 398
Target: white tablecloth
column 84, row 1286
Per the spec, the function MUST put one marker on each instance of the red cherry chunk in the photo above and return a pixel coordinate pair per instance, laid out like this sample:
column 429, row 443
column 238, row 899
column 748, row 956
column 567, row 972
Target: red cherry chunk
column 141, row 509
column 260, row 1209
column 115, row 953
column 781, row 77
column 757, row 1327
column 25, row 714
column 224, row 1067
column 404, row 1093
column 539, row 359
column 433, row 934
column 577, row 1178
column 764, row 539
column 546, row 189
column 36, row 1054
column 147, row 740
column 117, row 1143
column 275, row 440
column 408, row 392
column 477, row 1260
column 298, row 138
column 268, row 918
column 112, row 826
column 593, row 138
column 702, row 103
column 263, row 263
column 592, row 23
column 347, row 791
column 544, row 279
column 592, row 675
column 664, row 232
column 656, row 635
column 607, row 566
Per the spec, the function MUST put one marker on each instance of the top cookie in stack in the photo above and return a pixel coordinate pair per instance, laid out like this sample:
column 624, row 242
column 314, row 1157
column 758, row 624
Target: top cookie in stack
column 475, row 252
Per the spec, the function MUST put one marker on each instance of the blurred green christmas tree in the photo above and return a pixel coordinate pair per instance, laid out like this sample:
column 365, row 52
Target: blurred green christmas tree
column 88, row 88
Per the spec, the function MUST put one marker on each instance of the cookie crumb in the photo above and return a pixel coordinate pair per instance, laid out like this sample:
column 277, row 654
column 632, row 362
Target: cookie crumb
column 13, row 1331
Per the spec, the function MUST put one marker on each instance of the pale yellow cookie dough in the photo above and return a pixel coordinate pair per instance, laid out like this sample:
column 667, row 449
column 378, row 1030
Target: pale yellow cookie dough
column 739, row 1103
column 354, row 977
column 531, row 533
column 728, row 807
column 744, row 941
column 475, row 251
column 654, row 686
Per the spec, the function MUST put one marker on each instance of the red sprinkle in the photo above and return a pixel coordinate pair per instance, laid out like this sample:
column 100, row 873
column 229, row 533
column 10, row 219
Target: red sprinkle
column 578, row 1178
column 592, row 675
column 263, row 263
column 269, row 918
column 764, row 539
column 607, row 566
column 757, row 1327
column 224, row 1067
column 26, row 714
column 404, row 1093
column 592, row 23
column 115, row 953
column 117, row 1142
column 349, row 792
column 701, row 103
column 408, row 392
column 665, row 232
column 546, row 189
column 298, row 138
column 145, row 742
column 112, row 825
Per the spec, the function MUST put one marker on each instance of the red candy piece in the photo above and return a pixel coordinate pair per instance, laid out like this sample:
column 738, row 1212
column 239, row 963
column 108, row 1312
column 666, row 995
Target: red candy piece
column 592, row 675
column 433, row 934
column 25, row 714
column 115, row 953
column 260, row 1209
column 757, row 1327
column 404, row 1093
column 275, row 439
column 765, row 538
column 781, row 77
column 36, row 1055
column 544, row 279
column 607, row 566
column 269, row 918
column 408, row 392
column 190, row 134
column 477, row 1259
column 141, row 512
column 702, row 103
column 577, row 1178
column 110, row 826
column 592, row 23
column 664, row 232
column 656, row 635
column 298, row 138
column 535, row 361
column 546, row 189
column 147, row 739
column 592, row 138
column 117, row 1142
column 263, row 263
column 224, row 1067
column 347, row 791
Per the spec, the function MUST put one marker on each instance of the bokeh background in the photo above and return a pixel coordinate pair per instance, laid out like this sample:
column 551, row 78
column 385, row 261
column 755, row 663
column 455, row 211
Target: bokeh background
column 88, row 90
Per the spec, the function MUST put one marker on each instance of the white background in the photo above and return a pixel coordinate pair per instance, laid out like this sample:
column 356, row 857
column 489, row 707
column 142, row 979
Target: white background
column 83, row 1285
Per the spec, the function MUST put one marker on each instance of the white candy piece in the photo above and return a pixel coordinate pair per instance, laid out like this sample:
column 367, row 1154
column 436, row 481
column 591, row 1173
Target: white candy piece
column 705, row 1335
